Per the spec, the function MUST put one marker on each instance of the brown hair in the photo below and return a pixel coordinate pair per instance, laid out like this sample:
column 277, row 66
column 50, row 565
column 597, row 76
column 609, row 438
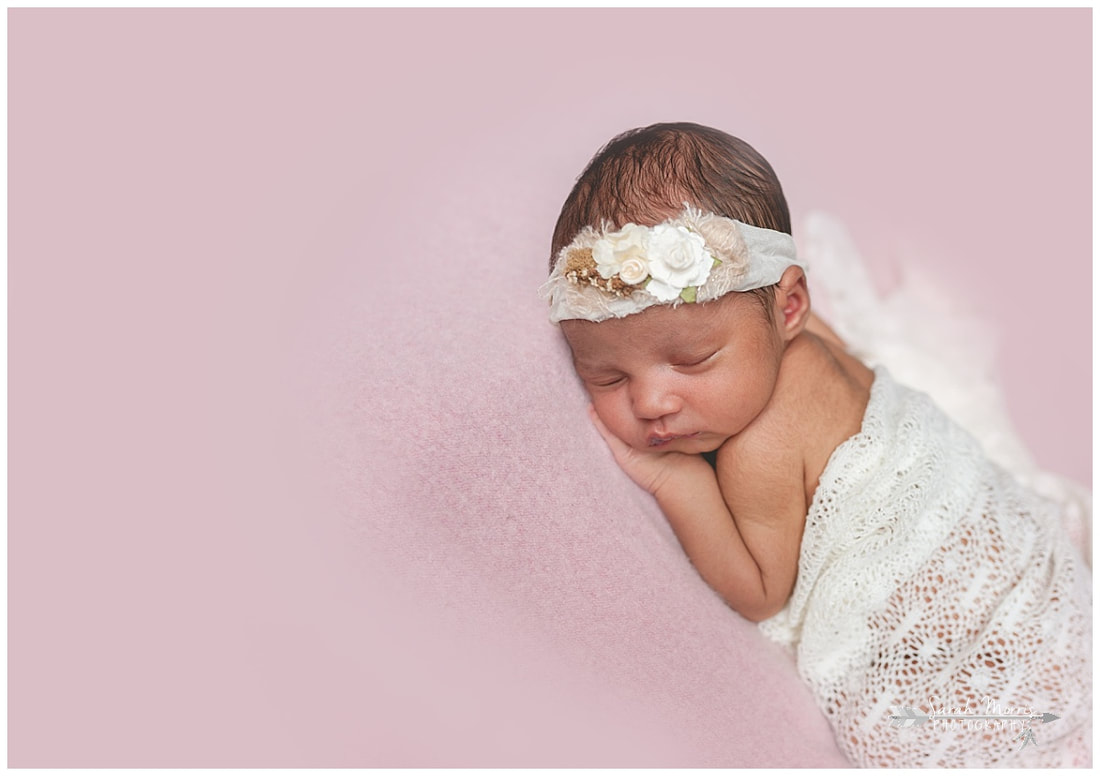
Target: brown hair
column 646, row 175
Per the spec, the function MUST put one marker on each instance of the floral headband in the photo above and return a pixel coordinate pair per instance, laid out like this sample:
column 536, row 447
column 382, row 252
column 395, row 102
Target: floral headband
column 695, row 257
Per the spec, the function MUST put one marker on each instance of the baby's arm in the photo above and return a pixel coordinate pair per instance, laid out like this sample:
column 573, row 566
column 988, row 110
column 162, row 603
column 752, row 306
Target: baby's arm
column 733, row 555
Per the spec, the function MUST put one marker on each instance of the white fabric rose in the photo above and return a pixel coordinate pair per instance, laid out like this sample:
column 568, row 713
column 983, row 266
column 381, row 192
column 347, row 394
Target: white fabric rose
column 612, row 251
column 678, row 259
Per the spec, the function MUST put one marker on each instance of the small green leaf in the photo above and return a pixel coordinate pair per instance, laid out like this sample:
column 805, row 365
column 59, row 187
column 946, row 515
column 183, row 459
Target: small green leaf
column 716, row 263
column 688, row 294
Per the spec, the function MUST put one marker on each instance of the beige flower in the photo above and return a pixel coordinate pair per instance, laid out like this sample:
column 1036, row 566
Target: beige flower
column 723, row 237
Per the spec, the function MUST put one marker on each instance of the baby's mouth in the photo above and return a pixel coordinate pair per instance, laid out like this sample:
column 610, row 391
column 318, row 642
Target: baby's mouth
column 659, row 441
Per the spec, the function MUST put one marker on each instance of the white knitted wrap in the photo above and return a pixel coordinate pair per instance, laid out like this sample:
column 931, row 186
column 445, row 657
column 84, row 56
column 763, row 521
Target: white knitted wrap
column 930, row 578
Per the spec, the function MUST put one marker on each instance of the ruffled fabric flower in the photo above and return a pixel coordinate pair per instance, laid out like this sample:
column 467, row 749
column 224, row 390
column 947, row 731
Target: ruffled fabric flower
column 723, row 237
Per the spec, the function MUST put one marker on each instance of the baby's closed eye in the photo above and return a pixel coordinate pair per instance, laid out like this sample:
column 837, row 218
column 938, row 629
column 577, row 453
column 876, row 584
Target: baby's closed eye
column 607, row 382
column 695, row 360
column 602, row 379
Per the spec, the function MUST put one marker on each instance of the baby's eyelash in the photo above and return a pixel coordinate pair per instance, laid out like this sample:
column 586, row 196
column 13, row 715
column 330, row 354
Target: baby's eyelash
column 698, row 361
column 605, row 383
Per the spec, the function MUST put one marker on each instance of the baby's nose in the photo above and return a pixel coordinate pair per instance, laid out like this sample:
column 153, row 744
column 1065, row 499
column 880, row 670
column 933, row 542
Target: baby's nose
column 653, row 399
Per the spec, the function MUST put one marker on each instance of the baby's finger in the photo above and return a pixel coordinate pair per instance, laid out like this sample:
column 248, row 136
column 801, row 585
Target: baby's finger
column 618, row 446
column 605, row 432
column 599, row 424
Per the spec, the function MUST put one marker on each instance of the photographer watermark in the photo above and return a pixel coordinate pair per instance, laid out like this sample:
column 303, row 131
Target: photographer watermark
column 989, row 715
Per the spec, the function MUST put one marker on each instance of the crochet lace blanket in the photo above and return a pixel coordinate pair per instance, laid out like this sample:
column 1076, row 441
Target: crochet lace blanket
column 930, row 578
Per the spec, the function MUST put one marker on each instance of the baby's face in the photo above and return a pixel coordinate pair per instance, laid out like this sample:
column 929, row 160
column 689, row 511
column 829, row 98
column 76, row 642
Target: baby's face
column 686, row 378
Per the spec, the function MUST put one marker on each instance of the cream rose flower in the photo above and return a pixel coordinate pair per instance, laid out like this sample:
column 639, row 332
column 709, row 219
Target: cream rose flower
column 634, row 270
column 678, row 259
column 612, row 251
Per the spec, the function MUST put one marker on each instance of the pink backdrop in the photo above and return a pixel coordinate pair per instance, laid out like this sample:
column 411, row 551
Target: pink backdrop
column 209, row 210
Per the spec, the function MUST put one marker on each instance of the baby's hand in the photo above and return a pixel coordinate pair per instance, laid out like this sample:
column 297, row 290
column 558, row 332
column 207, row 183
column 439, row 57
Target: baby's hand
column 649, row 470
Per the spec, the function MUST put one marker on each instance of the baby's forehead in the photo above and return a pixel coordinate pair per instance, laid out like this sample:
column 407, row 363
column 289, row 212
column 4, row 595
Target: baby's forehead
column 656, row 330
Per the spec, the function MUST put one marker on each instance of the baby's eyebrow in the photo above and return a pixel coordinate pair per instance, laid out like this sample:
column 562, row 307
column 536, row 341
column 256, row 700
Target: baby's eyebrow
column 592, row 365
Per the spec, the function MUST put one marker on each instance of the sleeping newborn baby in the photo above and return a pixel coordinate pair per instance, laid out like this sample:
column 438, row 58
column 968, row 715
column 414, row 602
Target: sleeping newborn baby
column 911, row 576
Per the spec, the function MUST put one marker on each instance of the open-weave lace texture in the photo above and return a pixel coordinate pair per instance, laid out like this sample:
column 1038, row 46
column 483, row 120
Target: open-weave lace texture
column 930, row 578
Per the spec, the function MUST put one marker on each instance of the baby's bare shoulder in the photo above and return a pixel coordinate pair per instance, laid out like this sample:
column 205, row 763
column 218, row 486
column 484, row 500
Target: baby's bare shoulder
column 818, row 403
column 761, row 470
column 761, row 481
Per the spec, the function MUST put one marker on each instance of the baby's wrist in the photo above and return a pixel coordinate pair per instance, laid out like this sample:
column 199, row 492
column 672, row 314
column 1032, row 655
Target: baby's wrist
column 680, row 473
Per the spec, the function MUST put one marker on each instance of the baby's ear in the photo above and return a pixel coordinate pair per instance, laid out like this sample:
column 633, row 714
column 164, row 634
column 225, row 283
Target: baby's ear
column 792, row 297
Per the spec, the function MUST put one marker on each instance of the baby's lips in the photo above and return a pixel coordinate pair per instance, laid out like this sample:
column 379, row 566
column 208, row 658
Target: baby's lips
column 663, row 439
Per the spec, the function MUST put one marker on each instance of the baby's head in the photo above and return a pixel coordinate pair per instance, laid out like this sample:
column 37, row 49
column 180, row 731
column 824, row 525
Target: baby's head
column 680, row 179
column 646, row 175
column 667, row 236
